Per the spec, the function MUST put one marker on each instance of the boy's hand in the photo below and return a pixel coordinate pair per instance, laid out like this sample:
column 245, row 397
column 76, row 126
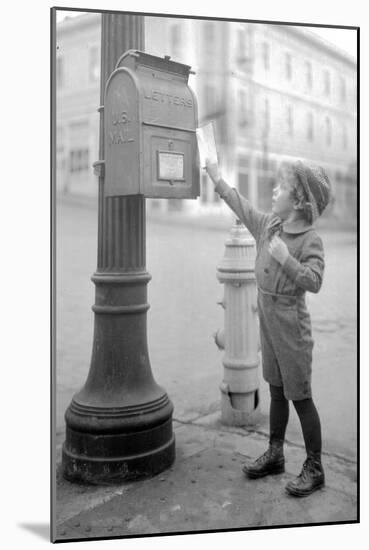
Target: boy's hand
column 212, row 169
column 278, row 249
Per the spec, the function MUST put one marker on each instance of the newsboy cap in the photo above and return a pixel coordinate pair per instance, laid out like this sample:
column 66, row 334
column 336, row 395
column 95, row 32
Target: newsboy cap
column 316, row 186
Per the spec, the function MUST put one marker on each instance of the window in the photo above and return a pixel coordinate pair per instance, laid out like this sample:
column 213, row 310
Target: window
column 242, row 45
column 309, row 75
column 266, row 116
column 78, row 160
column 175, row 39
column 204, row 188
column 288, row 66
column 243, row 184
column 310, row 127
column 266, row 181
column 59, row 72
column 242, row 107
column 289, row 119
column 327, row 83
column 342, row 89
column 266, row 56
column 209, row 37
column 94, row 64
column 209, row 97
column 328, row 130
column 344, row 137
column 243, row 161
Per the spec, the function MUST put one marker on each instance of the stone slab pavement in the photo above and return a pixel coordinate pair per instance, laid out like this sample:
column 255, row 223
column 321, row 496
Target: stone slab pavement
column 205, row 490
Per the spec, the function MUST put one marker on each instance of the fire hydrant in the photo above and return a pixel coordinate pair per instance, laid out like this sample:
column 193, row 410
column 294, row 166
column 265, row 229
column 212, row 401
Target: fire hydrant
column 239, row 338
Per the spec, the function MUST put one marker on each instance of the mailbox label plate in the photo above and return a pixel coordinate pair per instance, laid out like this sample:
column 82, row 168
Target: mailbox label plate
column 170, row 166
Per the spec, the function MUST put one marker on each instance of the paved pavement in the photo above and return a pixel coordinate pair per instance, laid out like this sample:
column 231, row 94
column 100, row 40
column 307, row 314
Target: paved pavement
column 206, row 490
column 182, row 259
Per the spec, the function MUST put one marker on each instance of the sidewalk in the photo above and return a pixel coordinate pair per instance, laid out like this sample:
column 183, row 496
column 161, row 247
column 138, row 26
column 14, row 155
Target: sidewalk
column 205, row 489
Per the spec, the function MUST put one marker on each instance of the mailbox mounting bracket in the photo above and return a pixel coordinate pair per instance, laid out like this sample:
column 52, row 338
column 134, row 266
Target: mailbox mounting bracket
column 99, row 168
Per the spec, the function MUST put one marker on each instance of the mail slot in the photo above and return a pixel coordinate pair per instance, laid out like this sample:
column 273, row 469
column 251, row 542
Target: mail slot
column 150, row 120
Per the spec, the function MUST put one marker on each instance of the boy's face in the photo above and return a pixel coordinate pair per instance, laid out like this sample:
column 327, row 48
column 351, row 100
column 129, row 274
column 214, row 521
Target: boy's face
column 282, row 203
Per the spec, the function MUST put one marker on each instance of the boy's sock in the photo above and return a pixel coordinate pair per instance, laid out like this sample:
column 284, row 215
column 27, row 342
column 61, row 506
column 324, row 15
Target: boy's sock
column 310, row 424
column 278, row 414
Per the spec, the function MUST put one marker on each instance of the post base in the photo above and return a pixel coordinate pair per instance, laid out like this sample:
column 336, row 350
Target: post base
column 109, row 447
column 100, row 471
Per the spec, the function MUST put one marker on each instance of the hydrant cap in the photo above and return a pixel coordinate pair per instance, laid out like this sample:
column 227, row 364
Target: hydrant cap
column 239, row 255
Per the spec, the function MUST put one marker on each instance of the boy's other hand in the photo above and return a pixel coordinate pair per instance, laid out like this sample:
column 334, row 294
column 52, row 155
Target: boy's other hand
column 212, row 169
column 278, row 249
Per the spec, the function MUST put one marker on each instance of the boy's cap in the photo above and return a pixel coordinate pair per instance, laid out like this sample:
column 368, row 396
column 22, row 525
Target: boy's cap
column 316, row 186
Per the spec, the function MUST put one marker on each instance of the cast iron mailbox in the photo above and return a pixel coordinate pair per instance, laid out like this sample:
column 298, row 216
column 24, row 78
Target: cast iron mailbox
column 150, row 118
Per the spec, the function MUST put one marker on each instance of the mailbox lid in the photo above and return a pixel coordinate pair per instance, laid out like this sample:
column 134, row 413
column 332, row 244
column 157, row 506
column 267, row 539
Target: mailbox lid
column 170, row 168
column 165, row 95
column 136, row 58
column 121, row 134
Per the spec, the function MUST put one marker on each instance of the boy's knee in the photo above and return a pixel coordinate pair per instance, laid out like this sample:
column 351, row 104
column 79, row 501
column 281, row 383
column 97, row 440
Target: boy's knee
column 303, row 405
column 276, row 393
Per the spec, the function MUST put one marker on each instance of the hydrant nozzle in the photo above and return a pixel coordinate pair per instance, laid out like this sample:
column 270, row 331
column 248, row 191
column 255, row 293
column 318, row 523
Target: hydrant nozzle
column 219, row 338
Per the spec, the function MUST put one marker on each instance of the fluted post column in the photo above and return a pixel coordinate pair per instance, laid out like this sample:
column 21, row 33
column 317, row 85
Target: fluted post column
column 119, row 426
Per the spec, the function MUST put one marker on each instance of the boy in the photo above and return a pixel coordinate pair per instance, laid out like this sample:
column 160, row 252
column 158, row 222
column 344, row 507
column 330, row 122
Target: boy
column 289, row 262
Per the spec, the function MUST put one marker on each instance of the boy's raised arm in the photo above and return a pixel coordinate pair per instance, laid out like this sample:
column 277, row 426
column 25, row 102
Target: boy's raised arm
column 252, row 218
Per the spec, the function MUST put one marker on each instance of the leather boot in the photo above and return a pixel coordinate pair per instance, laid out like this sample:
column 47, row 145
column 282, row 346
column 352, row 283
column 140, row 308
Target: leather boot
column 271, row 462
column 310, row 479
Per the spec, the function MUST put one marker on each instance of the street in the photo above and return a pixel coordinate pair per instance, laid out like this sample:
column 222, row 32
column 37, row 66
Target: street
column 183, row 316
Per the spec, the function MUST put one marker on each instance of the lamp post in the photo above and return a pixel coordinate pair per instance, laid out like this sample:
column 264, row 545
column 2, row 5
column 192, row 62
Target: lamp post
column 119, row 426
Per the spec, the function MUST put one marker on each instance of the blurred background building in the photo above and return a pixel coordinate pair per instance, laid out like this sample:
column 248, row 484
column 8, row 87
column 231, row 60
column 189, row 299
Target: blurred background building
column 272, row 91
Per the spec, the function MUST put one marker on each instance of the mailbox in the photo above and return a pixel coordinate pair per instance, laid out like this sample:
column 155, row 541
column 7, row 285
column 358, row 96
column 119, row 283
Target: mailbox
column 150, row 120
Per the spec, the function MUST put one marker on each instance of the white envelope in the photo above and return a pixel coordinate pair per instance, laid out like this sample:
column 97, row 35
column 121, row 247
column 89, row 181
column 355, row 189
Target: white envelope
column 206, row 144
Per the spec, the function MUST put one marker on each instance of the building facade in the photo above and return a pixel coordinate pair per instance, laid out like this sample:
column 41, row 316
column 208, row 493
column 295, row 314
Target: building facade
column 77, row 100
column 273, row 92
